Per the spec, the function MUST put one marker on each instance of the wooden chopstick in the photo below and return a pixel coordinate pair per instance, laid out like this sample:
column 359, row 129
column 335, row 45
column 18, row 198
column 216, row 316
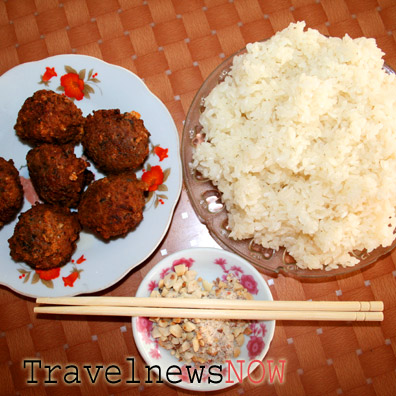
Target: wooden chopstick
column 214, row 308
column 206, row 313
column 358, row 306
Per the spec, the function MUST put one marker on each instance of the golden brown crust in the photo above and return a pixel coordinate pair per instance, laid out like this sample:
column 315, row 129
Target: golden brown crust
column 48, row 117
column 58, row 176
column 45, row 236
column 115, row 142
column 112, row 206
column 11, row 191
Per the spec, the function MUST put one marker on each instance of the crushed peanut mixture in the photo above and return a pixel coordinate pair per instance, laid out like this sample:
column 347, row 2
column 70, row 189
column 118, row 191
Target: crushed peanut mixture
column 201, row 341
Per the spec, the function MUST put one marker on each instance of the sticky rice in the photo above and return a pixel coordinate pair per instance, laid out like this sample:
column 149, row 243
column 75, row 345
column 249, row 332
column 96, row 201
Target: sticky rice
column 301, row 142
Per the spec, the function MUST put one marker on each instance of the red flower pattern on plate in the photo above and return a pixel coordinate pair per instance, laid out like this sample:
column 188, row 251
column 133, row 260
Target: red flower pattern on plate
column 48, row 274
column 154, row 177
column 155, row 353
column 255, row 346
column 161, row 152
column 49, row 73
column 144, row 327
column 222, row 262
column 263, row 329
column 164, row 272
column 152, row 285
column 73, row 85
column 70, row 279
column 188, row 262
column 81, row 260
column 237, row 270
column 46, row 277
column 249, row 283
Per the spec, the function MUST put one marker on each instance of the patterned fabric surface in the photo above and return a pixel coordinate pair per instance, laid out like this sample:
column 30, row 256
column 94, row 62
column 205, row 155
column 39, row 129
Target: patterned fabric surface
column 173, row 45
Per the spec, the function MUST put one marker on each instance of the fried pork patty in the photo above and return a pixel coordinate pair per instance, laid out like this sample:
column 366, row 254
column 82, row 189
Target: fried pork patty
column 48, row 117
column 11, row 191
column 113, row 206
column 115, row 142
column 45, row 236
column 58, row 176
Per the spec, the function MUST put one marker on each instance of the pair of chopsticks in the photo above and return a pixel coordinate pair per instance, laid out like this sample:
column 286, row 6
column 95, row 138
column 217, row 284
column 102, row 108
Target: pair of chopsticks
column 213, row 308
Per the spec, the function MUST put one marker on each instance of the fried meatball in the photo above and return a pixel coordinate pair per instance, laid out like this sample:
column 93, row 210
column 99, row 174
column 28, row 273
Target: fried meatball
column 115, row 142
column 11, row 191
column 113, row 206
column 48, row 117
column 45, row 236
column 58, row 176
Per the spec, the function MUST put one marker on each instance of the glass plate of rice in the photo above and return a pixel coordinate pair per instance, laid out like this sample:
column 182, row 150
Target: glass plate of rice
column 211, row 208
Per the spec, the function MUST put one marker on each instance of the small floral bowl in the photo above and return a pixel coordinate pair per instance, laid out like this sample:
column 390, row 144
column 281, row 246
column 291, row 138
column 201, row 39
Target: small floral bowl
column 209, row 263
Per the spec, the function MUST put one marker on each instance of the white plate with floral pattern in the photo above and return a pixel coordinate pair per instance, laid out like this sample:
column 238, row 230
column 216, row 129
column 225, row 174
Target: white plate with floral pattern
column 93, row 84
column 210, row 263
